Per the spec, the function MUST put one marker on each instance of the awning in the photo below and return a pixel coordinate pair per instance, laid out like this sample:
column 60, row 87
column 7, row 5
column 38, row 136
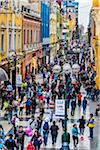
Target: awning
column 3, row 75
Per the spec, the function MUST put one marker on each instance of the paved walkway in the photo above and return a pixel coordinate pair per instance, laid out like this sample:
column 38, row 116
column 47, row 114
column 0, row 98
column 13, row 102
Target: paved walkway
column 83, row 145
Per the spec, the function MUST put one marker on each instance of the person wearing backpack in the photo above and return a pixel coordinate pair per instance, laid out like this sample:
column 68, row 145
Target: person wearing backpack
column 36, row 140
column 10, row 143
column 20, row 138
column 45, row 132
column 28, row 106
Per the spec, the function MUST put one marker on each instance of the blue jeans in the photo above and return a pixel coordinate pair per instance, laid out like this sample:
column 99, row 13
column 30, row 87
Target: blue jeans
column 82, row 131
column 91, row 132
column 45, row 137
column 84, row 110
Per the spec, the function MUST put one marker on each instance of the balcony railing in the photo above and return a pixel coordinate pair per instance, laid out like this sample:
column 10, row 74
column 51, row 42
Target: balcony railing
column 32, row 47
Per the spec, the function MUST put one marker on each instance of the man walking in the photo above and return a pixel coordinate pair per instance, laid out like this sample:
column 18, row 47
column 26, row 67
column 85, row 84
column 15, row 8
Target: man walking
column 91, row 125
column 73, row 105
column 10, row 143
column 84, row 105
column 20, row 137
column 54, row 132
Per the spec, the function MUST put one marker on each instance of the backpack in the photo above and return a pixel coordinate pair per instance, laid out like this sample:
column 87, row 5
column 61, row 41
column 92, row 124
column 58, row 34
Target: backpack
column 46, row 126
column 6, row 104
column 10, row 143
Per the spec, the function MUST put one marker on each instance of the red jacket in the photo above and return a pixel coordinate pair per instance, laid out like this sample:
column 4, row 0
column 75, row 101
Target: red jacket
column 79, row 97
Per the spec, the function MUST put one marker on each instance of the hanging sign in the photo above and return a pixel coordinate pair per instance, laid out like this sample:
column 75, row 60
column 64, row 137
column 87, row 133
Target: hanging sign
column 18, row 80
column 60, row 108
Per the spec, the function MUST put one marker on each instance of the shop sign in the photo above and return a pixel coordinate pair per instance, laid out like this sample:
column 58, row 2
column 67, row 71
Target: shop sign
column 18, row 80
column 60, row 108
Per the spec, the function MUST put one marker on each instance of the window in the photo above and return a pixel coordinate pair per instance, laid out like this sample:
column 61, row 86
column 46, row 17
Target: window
column 35, row 36
column 10, row 41
column 24, row 36
column 27, row 36
column 2, row 41
column 19, row 40
column 31, row 36
column 15, row 41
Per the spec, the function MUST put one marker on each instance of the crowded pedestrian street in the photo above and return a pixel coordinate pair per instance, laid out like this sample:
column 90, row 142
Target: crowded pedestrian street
column 49, row 75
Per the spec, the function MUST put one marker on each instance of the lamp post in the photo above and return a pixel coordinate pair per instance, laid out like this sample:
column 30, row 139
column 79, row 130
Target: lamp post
column 66, row 69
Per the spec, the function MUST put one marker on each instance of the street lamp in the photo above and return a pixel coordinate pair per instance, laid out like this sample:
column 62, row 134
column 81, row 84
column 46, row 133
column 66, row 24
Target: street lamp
column 57, row 69
column 66, row 69
column 76, row 68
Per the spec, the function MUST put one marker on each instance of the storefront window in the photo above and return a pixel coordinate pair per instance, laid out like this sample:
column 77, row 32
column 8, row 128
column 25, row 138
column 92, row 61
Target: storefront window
column 19, row 40
column 2, row 41
column 10, row 41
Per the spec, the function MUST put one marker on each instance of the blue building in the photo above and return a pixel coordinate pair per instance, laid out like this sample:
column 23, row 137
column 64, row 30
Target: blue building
column 45, row 24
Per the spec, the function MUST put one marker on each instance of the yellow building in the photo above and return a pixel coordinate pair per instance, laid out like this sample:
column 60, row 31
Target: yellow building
column 96, row 37
column 71, row 25
column 10, row 39
column 53, row 31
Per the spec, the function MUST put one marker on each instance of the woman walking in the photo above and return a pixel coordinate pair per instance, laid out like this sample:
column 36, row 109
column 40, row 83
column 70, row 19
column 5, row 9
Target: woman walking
column 36, row 140
column 75, row 135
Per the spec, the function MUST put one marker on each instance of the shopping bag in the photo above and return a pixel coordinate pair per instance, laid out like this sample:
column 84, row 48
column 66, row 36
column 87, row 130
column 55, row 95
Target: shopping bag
column 28, row 131
column 30, row 146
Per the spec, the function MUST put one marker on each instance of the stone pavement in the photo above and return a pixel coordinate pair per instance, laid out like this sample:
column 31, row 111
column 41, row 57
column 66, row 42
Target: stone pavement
column 83, row 145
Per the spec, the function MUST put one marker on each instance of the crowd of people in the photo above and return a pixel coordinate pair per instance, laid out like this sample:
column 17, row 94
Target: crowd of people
column 32, row 95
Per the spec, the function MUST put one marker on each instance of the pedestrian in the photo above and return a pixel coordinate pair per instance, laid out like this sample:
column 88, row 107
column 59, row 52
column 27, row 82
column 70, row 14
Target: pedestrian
column 48, row 94
column 28, row 106
column 10, row 111
column 44, row 76
column 36, row 140
column 20, row 137
column 79, row 96
column 34, row 105
column 2, row 145
column 91, row 125
column 82, row 123
column 10, row 143
column 19, row 92
column 73, row 105
column 22, row 95
column 15, row 122
column 32, row 123
column 75, row 135
column 21, row 107
column 39, row 124
column 97, row 109
column 2, row 134
column 65, row 141
column 54, row 132
column 84, row 105
column 45, row 132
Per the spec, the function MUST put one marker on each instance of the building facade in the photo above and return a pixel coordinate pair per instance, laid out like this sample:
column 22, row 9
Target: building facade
column 72, row 18
column 45, row 28
column 10, row 40
column 53, row 30
column 95, row 37
column 32, row 47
